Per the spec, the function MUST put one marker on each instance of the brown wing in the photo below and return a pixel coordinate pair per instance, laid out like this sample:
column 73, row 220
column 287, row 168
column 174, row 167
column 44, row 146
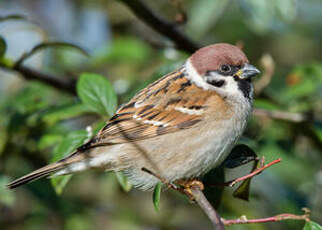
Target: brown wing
column 164, row 106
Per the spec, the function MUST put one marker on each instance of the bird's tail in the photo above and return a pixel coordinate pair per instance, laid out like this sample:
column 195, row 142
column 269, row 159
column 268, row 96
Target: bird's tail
column 37, row 174
column 47, row 170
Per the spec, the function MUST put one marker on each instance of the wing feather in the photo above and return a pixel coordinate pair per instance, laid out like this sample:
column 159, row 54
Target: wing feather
column 154, row 112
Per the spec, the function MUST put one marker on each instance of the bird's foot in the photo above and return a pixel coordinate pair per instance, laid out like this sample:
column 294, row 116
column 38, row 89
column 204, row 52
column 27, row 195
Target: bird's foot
column 184, row 187
column 187, row 185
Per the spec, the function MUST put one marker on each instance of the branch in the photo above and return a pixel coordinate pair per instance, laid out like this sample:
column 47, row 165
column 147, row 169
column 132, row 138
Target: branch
column 277, row 218
column 204, row 204
column 194, row 193
column 182, row 42
column 281, row 115
column 60, row 83
column 268, row 64
column 304, row 123
column 67, row 85
column 162, row 26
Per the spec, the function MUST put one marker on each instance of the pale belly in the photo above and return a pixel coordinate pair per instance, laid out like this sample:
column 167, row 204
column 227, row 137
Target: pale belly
column 184, row 154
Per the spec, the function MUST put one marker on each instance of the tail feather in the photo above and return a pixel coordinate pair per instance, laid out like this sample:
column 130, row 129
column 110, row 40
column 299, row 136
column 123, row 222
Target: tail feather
column 39, row 173
column 46, row 170
column 57, row 168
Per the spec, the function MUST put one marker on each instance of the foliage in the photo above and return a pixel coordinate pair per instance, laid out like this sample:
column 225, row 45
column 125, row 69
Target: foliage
column 122, row 179
column 3, row 47
column 311, row 225
column 68, row 144
column 157, row 196
column 97, row 94
column 40, row 124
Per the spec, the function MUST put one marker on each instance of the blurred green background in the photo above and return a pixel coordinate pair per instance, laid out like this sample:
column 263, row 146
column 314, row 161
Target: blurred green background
column 38, row 123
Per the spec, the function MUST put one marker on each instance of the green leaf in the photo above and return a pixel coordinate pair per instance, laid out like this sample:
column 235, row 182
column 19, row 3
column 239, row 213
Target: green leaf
column 241, row 154
column 316, row 226
column 308, row 225
column 97, row 93
column 70, row 142
column 45, row 45
column 48, row 140
column 60, row 182
column 242, row 192
column 33, row 97
column 311, row 225
column 3, row 47
column 63, row 112
column 123, row 181
column 98, row 126
column 157, row 196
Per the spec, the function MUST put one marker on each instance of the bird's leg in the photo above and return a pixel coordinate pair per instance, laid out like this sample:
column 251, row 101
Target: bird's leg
column 185, row 185
column 188, row 184
column 164, row 181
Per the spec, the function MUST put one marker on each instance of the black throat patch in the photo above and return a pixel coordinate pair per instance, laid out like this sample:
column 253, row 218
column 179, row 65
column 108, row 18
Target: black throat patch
column 245, row 86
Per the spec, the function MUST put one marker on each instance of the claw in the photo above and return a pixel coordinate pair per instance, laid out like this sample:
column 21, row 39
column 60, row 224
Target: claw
column 188, row 184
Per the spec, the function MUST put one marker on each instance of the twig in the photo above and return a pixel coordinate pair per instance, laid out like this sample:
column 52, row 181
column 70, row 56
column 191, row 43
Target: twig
column 302, row 122
column 44, row 45
column 61, row 83
column 281, row 217
column 220, row 223
column 184, row 43
column 162, row 26
column 68, row 86
column 194, row 193
column 181, row 16
column 268, row 64
column 204, row 204
column 281, row 115
column 252, row 174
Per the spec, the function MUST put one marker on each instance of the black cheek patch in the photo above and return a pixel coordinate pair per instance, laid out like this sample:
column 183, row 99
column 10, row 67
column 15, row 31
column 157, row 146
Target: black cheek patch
column 215, row 83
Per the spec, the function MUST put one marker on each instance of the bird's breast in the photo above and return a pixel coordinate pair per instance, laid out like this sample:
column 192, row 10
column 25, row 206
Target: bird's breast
column 218, row 136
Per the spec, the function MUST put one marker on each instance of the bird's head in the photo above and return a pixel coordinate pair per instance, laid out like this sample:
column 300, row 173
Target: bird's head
column 223, row 68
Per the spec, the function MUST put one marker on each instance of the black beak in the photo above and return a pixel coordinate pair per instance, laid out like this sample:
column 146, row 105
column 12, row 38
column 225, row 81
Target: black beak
column 248, row 71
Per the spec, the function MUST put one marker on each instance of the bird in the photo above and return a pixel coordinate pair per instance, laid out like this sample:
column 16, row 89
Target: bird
column 179, row 127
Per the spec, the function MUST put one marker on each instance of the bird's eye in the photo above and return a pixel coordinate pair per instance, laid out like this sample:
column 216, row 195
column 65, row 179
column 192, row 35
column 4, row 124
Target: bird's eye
column 225, row 68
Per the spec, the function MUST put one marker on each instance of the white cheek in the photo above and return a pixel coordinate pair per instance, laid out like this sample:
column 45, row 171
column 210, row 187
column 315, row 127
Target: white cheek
column 230, row 89
column 195, row 78
column 231, row 86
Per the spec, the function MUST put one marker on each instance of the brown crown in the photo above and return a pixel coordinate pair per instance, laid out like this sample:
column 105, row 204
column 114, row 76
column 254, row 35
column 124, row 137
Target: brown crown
column 213, row 56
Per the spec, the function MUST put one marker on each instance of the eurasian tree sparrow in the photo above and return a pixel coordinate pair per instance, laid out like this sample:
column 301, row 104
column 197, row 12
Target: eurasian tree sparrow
column 180, row 126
